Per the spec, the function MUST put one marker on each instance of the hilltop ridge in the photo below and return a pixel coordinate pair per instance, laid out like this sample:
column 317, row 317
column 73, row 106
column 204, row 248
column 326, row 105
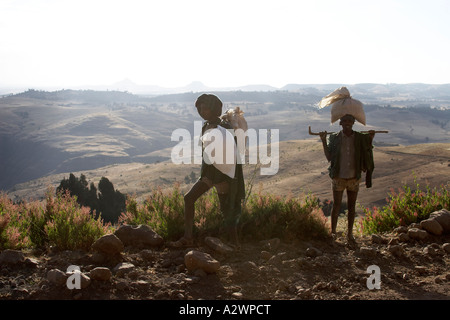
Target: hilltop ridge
column 416, row 90
column 47, row 133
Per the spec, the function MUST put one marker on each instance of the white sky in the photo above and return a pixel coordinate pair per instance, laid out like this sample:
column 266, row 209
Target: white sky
column 223, row 42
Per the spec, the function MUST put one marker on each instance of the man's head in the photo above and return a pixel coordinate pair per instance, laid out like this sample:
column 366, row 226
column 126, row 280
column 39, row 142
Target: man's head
column 347, row 122
column 209, row 106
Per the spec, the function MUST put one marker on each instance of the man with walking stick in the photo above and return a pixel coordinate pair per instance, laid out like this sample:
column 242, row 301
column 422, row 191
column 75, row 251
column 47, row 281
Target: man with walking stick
column 349, row 153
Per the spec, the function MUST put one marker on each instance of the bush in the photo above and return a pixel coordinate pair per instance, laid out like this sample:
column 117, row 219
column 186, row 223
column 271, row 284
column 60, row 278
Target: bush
column 70, row 226
column 263, row 216
column 164, row 212
column 405, row 207
column 61, row 222
column 268, row 216
column 13, row 225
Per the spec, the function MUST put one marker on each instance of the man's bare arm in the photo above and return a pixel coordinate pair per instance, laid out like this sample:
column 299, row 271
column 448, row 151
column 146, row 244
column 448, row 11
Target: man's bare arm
column 323, row 137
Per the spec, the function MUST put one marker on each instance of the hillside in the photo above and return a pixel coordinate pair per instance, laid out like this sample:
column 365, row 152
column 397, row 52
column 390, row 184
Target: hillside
column 268, row 270
column 45, row 138
column 46, row 133
column 303, row 169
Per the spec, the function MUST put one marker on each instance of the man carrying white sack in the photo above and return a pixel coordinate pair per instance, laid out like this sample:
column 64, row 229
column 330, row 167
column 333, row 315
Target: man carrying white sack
column 350, row 153
column 225, row 174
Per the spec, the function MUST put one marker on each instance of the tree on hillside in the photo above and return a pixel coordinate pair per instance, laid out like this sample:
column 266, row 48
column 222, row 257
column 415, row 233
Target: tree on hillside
column 112, row 203
column 79, row 187
column 107, row 202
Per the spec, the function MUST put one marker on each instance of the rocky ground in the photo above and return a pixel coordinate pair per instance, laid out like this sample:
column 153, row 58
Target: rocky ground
column 272, row 269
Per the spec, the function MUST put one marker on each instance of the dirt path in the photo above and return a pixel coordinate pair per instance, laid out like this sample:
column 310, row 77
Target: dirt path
column 268, row 270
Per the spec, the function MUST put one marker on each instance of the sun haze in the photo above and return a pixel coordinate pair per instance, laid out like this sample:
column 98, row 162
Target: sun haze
column 223, row 43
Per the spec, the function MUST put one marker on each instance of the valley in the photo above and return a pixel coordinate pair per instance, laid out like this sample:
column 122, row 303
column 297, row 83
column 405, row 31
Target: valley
column 44, row 136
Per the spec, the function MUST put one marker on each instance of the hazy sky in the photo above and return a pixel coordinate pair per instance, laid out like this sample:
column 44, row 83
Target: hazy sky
column 223, row 42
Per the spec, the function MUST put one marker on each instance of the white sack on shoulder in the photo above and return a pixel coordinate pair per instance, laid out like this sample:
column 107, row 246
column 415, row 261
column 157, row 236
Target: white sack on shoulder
column 220, row 150
column 237, row 120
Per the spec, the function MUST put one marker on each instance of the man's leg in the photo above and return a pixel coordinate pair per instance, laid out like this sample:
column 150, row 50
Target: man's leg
column 228, row 211
column 351, row 199
column 337, row 200
column 197, row 190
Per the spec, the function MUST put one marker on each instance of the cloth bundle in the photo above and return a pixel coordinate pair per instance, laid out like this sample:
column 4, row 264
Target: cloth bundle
column 220, row 150
column 236, row 118
column 341, row 104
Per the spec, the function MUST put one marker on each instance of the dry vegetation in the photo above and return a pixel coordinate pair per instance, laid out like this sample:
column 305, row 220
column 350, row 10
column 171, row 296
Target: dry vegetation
column 85, row 138
column 303, row 170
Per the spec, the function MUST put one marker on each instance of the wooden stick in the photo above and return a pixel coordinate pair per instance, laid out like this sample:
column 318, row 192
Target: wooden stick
column 316, row 133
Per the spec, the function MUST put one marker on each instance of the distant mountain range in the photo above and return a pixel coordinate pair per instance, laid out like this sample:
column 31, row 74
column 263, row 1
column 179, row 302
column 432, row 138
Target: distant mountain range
column 414, row 90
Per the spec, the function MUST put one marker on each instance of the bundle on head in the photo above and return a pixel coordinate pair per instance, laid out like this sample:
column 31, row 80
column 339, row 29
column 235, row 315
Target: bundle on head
column 341, row 104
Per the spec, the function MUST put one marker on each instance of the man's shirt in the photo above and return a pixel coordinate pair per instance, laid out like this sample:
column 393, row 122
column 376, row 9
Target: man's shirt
column 347, row 168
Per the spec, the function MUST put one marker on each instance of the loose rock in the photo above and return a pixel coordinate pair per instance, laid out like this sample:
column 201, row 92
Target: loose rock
column 139, row 236
column 378, row 239
column 401, row 229
column 57, row 277
column 417, row 234
column 396, row 250
column 122, row 268
column 100, row 274
column 430, row 250
column 9, row 256
column 446, row 247
column 432, row 226
column 421, row 269
column 443, row 218
column 266, row 255
column 108, row 244
column 403, row 237
column 217, row 245
column 368, row 251
column 199, row 260
column 313, row 252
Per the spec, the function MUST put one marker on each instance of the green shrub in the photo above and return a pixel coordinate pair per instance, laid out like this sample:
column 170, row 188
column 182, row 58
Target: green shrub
column 61, row 222
column 405, row 207
column 70, row 226
column 267, row 216
column 13, row 226
column 35, row 219
column 164, row 212
column 263, row 216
